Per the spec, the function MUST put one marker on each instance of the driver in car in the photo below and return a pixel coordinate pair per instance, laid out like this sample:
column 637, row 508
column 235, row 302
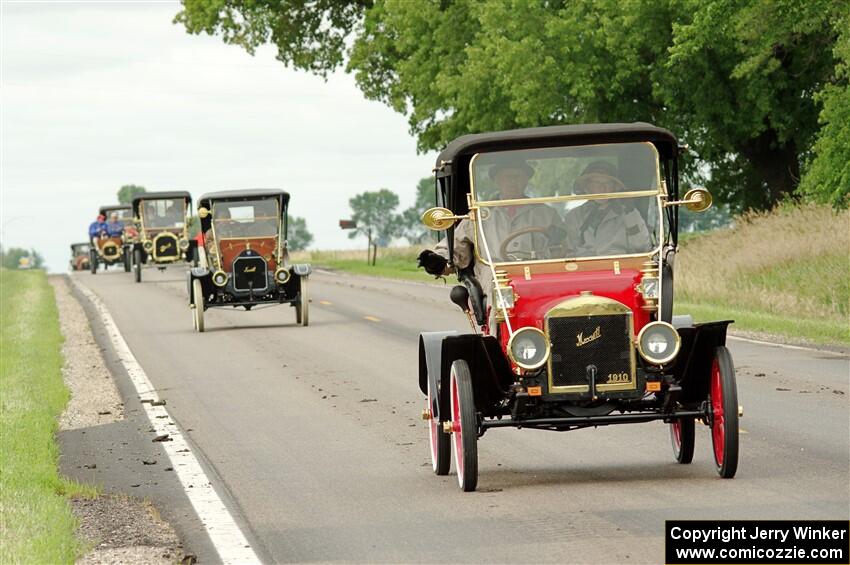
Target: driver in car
column 114, row 228
column 605, row 227
column 511, row 178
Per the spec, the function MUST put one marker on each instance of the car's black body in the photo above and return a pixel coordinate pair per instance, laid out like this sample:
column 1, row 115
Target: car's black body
column 255, row 265
column 159, row 243
column 499, row 393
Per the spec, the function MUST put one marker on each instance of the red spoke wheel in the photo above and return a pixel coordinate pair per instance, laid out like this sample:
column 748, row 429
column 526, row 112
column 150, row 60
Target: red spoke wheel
column 724, row 413
column 441, row 455
column 464, row 427
column 682, row 438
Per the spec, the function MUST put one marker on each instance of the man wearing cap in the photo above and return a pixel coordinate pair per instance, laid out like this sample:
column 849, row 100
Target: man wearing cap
column 605, row 227
column 510, row 176
column 96, row 228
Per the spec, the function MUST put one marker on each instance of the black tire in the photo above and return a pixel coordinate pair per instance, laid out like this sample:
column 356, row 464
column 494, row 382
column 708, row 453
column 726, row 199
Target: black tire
column 682, row 439
column 127, row 260
column 137, row 265
column 440, row 442
column 93, row 261
column 723, row 398
column 464, row 427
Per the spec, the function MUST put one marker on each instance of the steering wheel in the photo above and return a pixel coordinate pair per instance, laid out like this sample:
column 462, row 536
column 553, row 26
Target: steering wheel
column 503, row 250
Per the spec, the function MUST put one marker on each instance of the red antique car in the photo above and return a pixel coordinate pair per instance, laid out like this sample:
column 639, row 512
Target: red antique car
column 245, row 262
column 80, row 256
column 563, row 239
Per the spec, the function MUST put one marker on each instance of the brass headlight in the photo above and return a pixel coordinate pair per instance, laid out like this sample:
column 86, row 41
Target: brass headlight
column 528, row 348
column 219, row 278
column 148, row 245
column 658, row 342
column 184, row 244
column 281, row 275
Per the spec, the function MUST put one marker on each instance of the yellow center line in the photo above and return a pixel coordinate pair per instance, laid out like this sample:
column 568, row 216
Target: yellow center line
column 372, row 318
column 325, row 302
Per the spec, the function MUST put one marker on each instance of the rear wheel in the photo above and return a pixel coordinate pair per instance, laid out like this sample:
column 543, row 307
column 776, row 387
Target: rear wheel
column 137, row 265
column 302, row 307
column 93, row 261
column 441, row 454
column 198, row 301
column 682, row 438
column 464, row 427
column 723, row 398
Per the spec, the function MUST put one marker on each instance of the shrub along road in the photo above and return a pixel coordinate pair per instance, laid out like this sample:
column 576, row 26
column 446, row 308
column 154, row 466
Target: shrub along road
column 315, row 434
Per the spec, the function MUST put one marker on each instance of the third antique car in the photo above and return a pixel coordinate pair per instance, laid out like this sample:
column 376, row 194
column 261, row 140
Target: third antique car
column 245, row 262
column 112, row 249
column 564, row 239
column 162, row 220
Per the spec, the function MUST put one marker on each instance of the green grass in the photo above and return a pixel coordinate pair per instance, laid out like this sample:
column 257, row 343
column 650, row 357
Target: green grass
column 36, row 523
column 394, row 263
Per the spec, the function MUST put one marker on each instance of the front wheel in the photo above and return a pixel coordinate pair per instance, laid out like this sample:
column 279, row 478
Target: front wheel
column 127, row 258
column 93, row 261
column 682, row 438
column 302, row 307
column 198, row 301
column 464, row 427
column 723, row 397
column 441, row 455
column 137, row 265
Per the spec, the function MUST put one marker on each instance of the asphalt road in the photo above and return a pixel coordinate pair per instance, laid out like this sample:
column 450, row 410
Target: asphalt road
column 316, row 435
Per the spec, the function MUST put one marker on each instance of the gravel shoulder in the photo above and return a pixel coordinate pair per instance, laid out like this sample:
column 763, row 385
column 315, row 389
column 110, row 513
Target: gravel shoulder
column 117, row 528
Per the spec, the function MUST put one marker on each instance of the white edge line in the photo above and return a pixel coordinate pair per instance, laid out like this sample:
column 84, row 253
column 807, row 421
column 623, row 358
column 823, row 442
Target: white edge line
column 224, row 533
column 786, row 346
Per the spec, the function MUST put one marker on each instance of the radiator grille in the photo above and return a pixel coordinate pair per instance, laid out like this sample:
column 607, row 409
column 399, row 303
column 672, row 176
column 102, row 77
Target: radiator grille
column 250, row 272
column 579, row 341
column 165, row 247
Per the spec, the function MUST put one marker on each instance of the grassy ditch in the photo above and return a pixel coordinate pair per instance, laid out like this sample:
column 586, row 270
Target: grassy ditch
column 784, row 273
column 36, row 523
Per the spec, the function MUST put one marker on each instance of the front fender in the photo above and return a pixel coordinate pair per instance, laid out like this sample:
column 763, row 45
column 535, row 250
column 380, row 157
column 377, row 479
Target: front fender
column 201, row 273
column 301, row 269
column 692, row 368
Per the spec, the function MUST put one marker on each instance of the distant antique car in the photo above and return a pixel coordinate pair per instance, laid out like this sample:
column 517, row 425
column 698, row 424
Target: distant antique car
column 162, row 221
column 569, row 293
column 245, row 261
column 106, row 252
column 80, row 258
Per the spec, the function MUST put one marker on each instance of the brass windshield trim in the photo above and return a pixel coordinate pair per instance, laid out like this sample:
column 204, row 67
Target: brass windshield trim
column 657, row 193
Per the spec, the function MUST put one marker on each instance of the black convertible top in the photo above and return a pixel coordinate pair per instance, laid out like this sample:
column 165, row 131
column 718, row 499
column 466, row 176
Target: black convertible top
column 204, row 200
column 552, row 136
column 160, row 195
column 110, row 207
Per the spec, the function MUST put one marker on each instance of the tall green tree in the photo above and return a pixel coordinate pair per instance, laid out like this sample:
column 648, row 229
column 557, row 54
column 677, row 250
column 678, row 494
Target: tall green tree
column 129, row 191
column 741, row 81
column 299, row 237
column 410, row 220
column 376, row 218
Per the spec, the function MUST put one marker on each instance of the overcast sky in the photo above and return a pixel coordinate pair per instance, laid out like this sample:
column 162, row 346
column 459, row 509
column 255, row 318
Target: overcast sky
column 96, row 95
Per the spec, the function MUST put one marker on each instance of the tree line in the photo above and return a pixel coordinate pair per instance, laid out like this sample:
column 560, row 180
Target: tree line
column 757, row 90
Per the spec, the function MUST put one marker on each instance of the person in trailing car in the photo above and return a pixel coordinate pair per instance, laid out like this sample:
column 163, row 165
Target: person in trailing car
column 115, row 227
column 605, row 227
column 97, row 228
column 510, row 177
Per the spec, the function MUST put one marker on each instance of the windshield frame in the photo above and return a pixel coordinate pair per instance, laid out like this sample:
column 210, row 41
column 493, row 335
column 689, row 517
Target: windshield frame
column 143, row 203
column 475, row 205
column 278, row 233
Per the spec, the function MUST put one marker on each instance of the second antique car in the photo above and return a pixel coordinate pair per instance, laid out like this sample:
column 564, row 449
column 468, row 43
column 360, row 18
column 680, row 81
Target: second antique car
column 162, row 221
column 80, row 256
column 564, row 239
column 245, row 262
